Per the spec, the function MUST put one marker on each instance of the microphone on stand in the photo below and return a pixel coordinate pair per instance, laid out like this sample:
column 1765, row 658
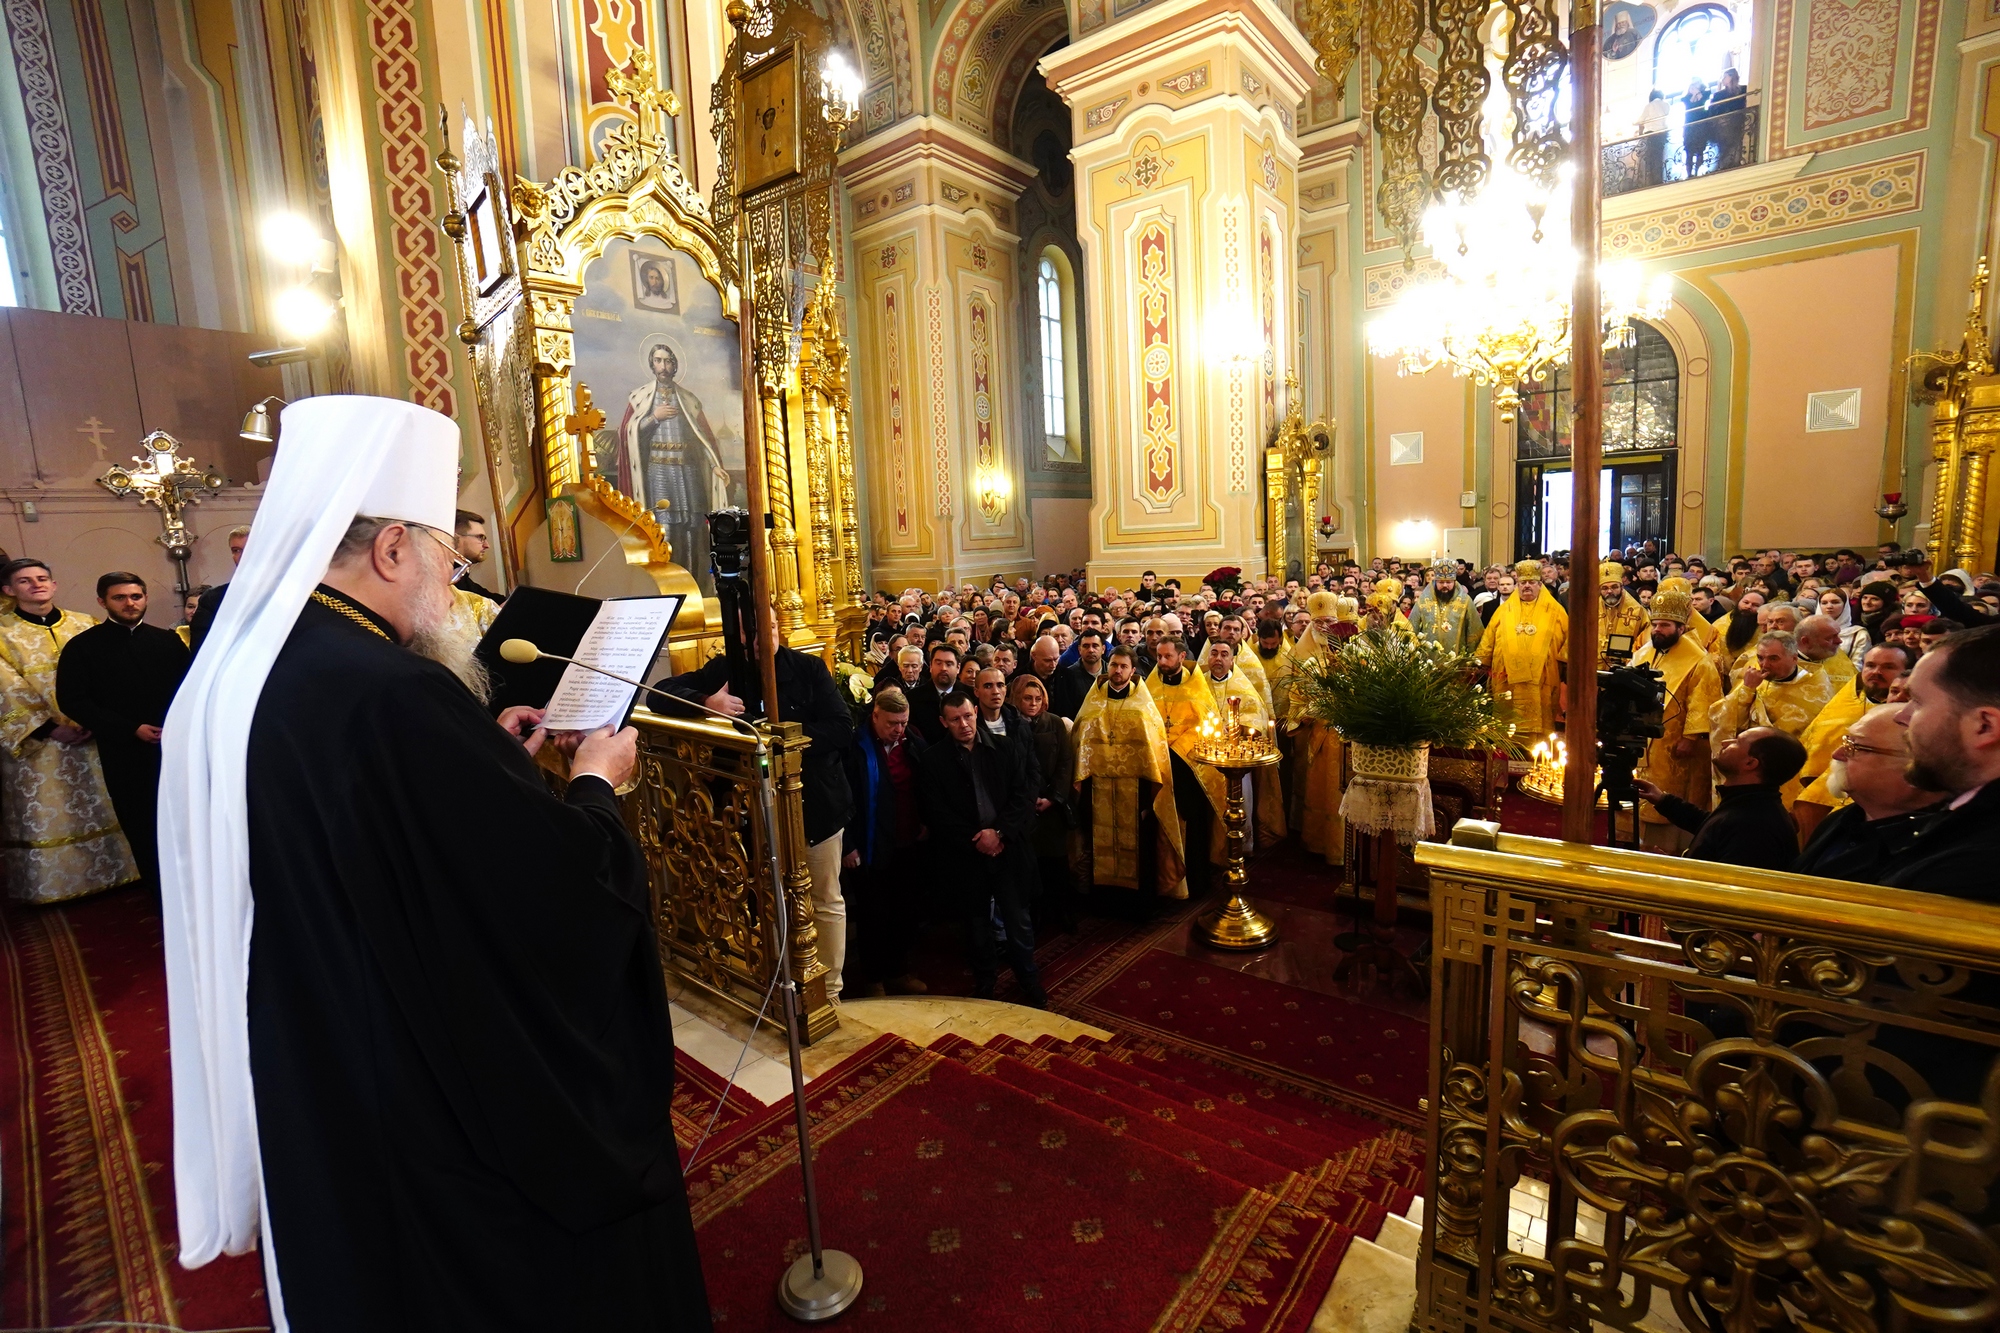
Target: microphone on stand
column 522, row 651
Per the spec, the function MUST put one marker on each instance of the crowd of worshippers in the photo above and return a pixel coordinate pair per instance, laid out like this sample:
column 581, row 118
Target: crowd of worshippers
column 86, row 698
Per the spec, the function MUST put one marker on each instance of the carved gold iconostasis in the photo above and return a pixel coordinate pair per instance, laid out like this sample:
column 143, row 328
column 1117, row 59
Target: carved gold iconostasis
column 602, row 322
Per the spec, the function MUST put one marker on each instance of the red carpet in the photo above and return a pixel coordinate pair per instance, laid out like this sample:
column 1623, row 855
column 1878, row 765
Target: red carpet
column 86, row 1136
column 974, row 1202
column 1333, row 1045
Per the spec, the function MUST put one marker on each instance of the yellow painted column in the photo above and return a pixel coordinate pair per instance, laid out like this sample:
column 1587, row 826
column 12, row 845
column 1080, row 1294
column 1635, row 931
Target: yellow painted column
column 1187, row 206
column 937, row 383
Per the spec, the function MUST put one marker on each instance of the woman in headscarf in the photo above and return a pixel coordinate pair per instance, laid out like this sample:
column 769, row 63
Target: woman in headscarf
column 1854, row 640
column 1874, row 601
column 1048, row 732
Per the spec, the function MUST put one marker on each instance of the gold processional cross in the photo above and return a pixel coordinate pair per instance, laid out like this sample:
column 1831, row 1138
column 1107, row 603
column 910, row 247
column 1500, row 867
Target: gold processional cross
column 168, row 482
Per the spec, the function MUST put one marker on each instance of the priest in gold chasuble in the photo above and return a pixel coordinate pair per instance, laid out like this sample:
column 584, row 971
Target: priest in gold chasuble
column 1779, row 691
column 1264, row 793
column 1181, row 693
column 59, row 837
column 1621, row 614
column 1677, row 760
column 1444, row 613
column 1524, row 647
column 1315, row 745
column 1121, row 751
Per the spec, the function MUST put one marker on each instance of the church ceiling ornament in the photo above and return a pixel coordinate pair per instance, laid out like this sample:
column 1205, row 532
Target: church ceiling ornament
column 1842, row 80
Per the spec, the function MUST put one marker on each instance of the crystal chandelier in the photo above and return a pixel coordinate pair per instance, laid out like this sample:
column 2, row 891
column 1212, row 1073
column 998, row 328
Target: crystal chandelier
column 1500, row 310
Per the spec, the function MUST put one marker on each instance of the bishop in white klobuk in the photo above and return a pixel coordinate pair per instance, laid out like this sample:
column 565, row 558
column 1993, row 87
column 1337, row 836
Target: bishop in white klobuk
column 421, row 1045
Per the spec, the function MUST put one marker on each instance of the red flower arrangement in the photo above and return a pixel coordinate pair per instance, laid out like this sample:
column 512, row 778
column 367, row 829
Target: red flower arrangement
column 1223, row 577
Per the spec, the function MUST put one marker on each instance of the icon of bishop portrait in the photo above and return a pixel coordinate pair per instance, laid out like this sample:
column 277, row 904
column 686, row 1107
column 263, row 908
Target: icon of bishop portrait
column 669, row 461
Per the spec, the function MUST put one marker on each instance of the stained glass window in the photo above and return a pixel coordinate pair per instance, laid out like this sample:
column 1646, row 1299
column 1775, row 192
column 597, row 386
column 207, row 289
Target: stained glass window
column 1642, row 386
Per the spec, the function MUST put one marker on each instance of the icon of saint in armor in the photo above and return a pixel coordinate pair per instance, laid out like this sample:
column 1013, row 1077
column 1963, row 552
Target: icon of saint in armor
column 669, row 461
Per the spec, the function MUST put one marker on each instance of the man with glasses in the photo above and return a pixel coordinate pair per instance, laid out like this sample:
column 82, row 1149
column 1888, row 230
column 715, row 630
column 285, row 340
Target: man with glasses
column 470, row 539
column 1861, row 840
column 1884, row 665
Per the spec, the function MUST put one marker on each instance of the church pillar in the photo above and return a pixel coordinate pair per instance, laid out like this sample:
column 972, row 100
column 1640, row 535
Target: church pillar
column 937, row 395
column 1187, row 207
column 376, row 79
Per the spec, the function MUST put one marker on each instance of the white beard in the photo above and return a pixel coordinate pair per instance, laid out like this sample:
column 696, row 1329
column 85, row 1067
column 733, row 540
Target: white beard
column 435, row 633
column 1836, row 777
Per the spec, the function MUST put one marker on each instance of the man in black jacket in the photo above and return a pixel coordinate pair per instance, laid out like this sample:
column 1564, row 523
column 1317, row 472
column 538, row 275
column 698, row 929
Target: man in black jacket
column 117, row 680
column 941, row 681
column 979, row 803
column 1953, row 722
column 1863, row 840
column 807, row 696
column 883, row 862
column 1749, row 825
column 1070, row 684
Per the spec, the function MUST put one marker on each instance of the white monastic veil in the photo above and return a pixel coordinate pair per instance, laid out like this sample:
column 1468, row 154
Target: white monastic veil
column 338, row 456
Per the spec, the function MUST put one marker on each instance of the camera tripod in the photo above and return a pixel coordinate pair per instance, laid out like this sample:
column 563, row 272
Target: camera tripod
column 1616, row 762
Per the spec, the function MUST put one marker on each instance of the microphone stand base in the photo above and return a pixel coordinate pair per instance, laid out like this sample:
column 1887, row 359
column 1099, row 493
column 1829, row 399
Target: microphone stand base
column 810, row 1299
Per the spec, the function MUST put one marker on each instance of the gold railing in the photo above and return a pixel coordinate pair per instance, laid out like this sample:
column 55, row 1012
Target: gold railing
column 1670, row 1091
column 698, row 818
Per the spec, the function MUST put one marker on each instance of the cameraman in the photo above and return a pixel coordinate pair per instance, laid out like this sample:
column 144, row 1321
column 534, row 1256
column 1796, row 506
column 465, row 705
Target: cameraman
column 1749, row 825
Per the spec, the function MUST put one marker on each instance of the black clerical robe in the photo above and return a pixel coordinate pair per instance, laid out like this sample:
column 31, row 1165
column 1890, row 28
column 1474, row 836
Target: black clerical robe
column 113, row 679
column 459, row 1036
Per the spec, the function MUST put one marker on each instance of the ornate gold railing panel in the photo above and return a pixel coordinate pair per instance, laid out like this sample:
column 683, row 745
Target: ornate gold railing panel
column 698, row 819
column 1743, row 1100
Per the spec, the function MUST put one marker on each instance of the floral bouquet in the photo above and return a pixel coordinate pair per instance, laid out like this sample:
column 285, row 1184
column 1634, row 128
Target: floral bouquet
column 1225, row 578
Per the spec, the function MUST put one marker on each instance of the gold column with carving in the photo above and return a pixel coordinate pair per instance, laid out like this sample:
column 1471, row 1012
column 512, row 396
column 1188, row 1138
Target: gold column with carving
column 817, row 415
column 1301, row 447
column 1964, row 433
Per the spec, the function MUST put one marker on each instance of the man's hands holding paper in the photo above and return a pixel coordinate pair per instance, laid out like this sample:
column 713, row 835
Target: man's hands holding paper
column 611, row 755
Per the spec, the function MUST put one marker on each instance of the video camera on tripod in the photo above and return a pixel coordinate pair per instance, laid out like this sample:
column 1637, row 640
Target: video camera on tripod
column 1631, row 712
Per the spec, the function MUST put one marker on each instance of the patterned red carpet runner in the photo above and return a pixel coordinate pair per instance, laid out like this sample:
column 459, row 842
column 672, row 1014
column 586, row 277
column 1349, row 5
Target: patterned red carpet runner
column 1204, row 1170
column 86, row 1130
column 1044, row 1187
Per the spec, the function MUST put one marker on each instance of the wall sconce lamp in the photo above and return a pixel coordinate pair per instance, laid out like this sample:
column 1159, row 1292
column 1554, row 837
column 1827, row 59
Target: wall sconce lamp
column 257, row 424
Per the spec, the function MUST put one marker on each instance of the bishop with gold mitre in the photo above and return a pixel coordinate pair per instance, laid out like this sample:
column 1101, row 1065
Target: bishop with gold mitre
column 1699, row 629
column 1524, row 648
column 1229, row 683
column 1121, row 751
column 1316, row 746
column 1444, row 612
column 1620, row 615
column 1677, row 759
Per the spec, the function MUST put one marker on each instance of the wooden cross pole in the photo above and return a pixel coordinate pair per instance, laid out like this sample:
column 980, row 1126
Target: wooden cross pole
column 1586, row 369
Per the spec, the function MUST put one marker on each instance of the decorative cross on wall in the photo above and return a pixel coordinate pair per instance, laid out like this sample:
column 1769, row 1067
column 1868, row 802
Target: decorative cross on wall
column 168, row 482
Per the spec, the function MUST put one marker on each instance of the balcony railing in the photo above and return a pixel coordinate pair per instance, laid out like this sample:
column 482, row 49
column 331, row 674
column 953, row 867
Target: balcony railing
column 1670, row 1091
column 1681, row 152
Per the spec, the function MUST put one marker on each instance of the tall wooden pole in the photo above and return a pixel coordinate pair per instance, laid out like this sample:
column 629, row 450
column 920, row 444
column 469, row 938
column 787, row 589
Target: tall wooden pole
column 1586, row 377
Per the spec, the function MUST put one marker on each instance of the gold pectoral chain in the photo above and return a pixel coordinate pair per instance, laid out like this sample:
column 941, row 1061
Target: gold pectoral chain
column 353, row 615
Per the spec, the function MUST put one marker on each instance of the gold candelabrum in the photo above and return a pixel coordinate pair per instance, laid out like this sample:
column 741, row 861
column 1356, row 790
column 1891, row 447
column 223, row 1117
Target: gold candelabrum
column 163, row 479
column 1236, row 749
column 1544, row 781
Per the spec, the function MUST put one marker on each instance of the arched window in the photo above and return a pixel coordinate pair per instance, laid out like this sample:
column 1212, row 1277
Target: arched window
column 1055, row 419
column 1698, row 43
column 1642, row 388
column 1061, row 364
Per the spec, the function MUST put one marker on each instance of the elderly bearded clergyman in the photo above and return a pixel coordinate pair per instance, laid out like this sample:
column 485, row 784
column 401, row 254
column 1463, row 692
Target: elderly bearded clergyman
column 431, row 1072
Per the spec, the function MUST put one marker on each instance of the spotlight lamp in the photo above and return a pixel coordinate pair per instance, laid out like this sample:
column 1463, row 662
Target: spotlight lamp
column 257, row 424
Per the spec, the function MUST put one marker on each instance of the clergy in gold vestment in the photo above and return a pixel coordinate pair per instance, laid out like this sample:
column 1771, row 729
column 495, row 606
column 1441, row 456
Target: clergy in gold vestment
column 1444, row 613
column 1819, row 643
column 1621, row 614
column 1315, row 745
column 1779, row 691
column 1235, row 631
column 1524, row 647
column 1264, row 792
column 1677, row 760
column 1698, row 628
column 1181, row 694
column 1121, row 750
column 472, row 615
column 58, row 836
